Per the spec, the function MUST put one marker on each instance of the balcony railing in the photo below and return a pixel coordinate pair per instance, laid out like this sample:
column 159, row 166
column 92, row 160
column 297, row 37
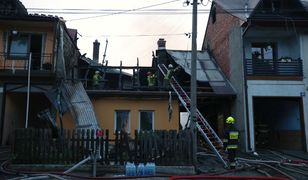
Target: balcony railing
column 15, row 62
column 269, row 67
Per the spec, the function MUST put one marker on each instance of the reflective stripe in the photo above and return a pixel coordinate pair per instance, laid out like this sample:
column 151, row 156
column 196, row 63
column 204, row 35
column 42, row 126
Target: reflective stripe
column 233, row 135
column 232, row 146
column 225, row 140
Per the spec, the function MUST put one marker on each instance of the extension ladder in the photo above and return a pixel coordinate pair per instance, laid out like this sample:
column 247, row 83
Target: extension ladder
column 202, row 125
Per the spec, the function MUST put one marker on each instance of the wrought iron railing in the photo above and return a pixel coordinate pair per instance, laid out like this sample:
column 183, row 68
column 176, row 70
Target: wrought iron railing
column 269, row 67
column 20, row 61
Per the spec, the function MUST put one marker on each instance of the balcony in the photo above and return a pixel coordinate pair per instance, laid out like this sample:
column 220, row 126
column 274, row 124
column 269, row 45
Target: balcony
column 270, row 67
column 19, row 62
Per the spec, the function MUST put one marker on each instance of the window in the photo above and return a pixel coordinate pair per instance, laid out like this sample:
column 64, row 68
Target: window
column 146, row 120
column 21, row 44
column 122, row 120
column 263, row 51
column 18, row 46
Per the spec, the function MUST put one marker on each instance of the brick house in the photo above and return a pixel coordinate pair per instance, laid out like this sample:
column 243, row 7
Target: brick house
column 261, row 46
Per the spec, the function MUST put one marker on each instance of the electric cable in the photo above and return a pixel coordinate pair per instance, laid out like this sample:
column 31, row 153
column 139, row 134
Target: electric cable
column 125, row 11
column 136, row 35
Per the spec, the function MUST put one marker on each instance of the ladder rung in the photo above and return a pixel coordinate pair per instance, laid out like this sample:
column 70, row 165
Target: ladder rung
column 204, row 127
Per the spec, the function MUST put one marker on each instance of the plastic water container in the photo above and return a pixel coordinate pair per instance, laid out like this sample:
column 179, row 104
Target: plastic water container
column 140, row 169
column 130, row 169
column 150, row 169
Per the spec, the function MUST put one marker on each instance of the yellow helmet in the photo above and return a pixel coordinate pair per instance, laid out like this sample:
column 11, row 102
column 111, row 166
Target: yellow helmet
column 230, row 120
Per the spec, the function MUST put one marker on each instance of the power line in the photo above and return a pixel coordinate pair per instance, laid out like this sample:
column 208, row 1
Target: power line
column 126, row 11
column 138, row 35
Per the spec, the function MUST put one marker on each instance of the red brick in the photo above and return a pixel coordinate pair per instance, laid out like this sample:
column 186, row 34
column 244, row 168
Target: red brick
column 216, row 38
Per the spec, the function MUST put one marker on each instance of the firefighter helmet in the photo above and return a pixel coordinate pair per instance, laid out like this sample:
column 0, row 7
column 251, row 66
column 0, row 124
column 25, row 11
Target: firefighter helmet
column 230, row 120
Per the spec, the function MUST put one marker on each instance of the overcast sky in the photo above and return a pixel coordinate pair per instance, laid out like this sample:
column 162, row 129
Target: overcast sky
column 130, row 35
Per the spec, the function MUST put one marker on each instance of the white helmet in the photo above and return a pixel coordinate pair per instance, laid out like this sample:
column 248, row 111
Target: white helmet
column 170, row 66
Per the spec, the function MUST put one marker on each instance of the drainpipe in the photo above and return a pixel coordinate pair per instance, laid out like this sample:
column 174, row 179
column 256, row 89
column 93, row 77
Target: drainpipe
column 245, row 91
column 2, row 112
column 28, row 90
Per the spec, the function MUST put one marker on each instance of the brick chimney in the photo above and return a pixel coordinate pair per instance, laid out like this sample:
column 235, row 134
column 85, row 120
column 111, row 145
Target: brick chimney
column 96, row 50
column 161, row 44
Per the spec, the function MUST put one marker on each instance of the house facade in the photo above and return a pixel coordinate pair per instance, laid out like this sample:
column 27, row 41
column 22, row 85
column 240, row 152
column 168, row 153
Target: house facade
column 261, row 46
column 124, row 100
column 36, row 53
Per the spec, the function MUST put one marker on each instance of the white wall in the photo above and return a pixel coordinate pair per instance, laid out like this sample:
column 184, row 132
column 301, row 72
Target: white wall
column 286, row 46
column 304, row 56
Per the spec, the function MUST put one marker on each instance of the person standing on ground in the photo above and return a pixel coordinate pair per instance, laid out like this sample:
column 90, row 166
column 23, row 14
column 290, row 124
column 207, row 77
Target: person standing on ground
column 231, row 140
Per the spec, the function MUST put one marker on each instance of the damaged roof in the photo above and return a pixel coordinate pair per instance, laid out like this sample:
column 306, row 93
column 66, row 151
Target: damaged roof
column 207, row 70
column 99, row 67
column 236, row 7
column 12, row 8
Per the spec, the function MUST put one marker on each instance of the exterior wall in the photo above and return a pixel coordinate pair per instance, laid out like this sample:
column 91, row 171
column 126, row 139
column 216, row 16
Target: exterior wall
column 14, row 114
column 67, row 120
column 237, row 80
column 304, row 56
column 105, row 108
column 217, row 38
column 286, row 46
column 29, row 27
column 273, row 89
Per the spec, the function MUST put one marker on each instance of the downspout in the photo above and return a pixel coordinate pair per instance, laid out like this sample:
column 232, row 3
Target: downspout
column 2, row 112
column 55, row 42
column 246, row 91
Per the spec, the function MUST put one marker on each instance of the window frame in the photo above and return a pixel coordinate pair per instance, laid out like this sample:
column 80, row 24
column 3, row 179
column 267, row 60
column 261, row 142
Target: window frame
column 262, row 46
column 139, row 119
column 9, row 39
column 128, row 119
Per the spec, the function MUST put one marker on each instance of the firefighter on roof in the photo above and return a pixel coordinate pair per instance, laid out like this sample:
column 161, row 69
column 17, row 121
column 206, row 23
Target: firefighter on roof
column 96, row 79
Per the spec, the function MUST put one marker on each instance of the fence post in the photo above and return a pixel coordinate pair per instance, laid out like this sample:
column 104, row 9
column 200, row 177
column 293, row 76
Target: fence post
column 121, row 148
column 107, row 147
column 116, row 143
column 136, row 160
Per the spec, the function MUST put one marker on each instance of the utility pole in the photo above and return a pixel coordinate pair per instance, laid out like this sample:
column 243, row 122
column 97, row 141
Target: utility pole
column 193, row 82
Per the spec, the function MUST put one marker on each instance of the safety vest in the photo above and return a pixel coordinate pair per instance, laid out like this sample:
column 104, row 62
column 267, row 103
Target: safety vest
column 231, row 139
column 95, row 80
column 151, row 80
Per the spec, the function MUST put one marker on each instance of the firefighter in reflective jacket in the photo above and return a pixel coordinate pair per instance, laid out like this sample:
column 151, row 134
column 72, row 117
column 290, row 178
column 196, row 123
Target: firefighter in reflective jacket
column 231, row 140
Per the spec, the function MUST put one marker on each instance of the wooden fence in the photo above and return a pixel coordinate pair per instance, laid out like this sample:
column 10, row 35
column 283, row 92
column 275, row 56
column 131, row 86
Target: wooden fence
column 42, row 146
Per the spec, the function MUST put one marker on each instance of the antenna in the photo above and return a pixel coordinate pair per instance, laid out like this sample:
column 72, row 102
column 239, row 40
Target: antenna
column 104, row 56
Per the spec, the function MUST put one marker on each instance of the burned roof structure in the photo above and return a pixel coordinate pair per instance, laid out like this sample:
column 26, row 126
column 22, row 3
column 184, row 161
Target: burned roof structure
column 208, row 73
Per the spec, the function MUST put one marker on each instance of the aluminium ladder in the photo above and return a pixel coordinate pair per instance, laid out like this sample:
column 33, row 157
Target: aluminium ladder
column 80, row 105
column 203, row 126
